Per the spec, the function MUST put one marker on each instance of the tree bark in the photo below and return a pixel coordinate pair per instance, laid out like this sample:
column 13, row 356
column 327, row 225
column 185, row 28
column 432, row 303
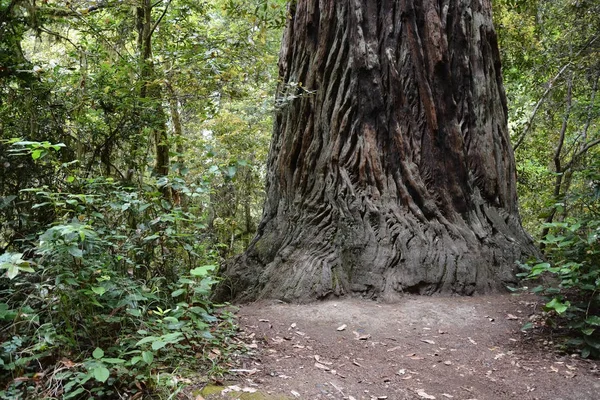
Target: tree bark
column 151, row 90
column 390, row 169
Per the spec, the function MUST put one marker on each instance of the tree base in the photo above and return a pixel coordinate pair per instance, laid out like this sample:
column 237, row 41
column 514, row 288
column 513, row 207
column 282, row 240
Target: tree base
column 377, row 255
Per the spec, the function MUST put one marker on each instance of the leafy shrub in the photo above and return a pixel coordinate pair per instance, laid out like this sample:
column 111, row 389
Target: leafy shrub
column 112, row 293
column 572, row 282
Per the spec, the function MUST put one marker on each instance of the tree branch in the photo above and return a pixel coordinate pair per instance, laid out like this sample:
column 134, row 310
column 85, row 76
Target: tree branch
column 538, row 105
column 160, row 18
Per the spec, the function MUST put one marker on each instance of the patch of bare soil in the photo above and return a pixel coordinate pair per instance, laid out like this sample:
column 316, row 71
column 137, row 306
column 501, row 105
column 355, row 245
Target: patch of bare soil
column 421, row 348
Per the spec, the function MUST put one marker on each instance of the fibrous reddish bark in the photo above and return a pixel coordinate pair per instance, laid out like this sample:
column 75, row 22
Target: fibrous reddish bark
column 390, row 169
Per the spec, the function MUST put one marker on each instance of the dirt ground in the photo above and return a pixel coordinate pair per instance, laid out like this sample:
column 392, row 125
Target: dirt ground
column 422, row 348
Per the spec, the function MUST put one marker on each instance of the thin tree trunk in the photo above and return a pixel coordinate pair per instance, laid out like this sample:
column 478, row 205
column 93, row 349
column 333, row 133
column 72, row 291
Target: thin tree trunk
column 390, row 169
column 558, row 169
column 151, row 90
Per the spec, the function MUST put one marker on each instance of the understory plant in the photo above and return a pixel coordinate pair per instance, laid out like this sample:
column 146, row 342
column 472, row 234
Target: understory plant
column 111, row 299
column 570, row 276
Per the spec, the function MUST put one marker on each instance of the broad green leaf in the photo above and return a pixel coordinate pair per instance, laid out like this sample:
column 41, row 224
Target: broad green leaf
column 135, row 360
column 593, row 320
column 98, row 353
column 172, row 337
column 147, row 339
column 588, row 331
column 99, row 290
column 73, row 394
column 557, row 305
column 585, row 352
column 35, row 154
column 12, row 271
column 113, row 360
column 158, row 344
column 75, row 251
column 101, row 373
column 148, row 357
column 178, row 292
column 134, row 311
column 202, row 271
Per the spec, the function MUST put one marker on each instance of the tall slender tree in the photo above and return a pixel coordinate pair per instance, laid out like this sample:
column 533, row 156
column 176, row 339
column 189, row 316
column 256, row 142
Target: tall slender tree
column 390, row 169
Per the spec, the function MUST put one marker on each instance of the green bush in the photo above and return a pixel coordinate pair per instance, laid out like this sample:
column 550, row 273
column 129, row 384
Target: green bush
column 112, row 294
column 572, row 282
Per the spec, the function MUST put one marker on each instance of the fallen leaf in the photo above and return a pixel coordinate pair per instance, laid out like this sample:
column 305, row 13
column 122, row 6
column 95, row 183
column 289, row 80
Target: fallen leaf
column 394, row 348
column 67, row 363
column 342, row 327
column 510, row 316
column 554, row 369
column 424, row 395
column 199, row 397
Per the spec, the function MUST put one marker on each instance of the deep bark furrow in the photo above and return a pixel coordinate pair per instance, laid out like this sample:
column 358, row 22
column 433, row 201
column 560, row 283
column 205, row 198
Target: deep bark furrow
column 396, row 175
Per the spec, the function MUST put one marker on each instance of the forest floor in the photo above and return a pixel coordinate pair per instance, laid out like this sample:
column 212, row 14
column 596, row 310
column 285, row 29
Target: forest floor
column 422, row 348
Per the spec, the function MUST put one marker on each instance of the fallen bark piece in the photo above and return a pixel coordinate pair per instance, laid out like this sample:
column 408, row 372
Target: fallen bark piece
column 342, row 327
column 319, row 360
column 424, row 395
column 321, row 366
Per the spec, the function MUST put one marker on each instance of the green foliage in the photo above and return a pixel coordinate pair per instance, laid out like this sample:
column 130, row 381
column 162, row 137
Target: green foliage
column 116, row 287
column 551, row 70
column 571, row 282
column 107, row 260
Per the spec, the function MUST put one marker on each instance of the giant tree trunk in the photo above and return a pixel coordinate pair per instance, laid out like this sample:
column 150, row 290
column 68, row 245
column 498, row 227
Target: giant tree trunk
column 390, row 168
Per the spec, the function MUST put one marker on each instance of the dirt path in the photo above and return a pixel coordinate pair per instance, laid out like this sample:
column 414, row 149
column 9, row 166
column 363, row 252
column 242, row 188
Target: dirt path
column 422, row 348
